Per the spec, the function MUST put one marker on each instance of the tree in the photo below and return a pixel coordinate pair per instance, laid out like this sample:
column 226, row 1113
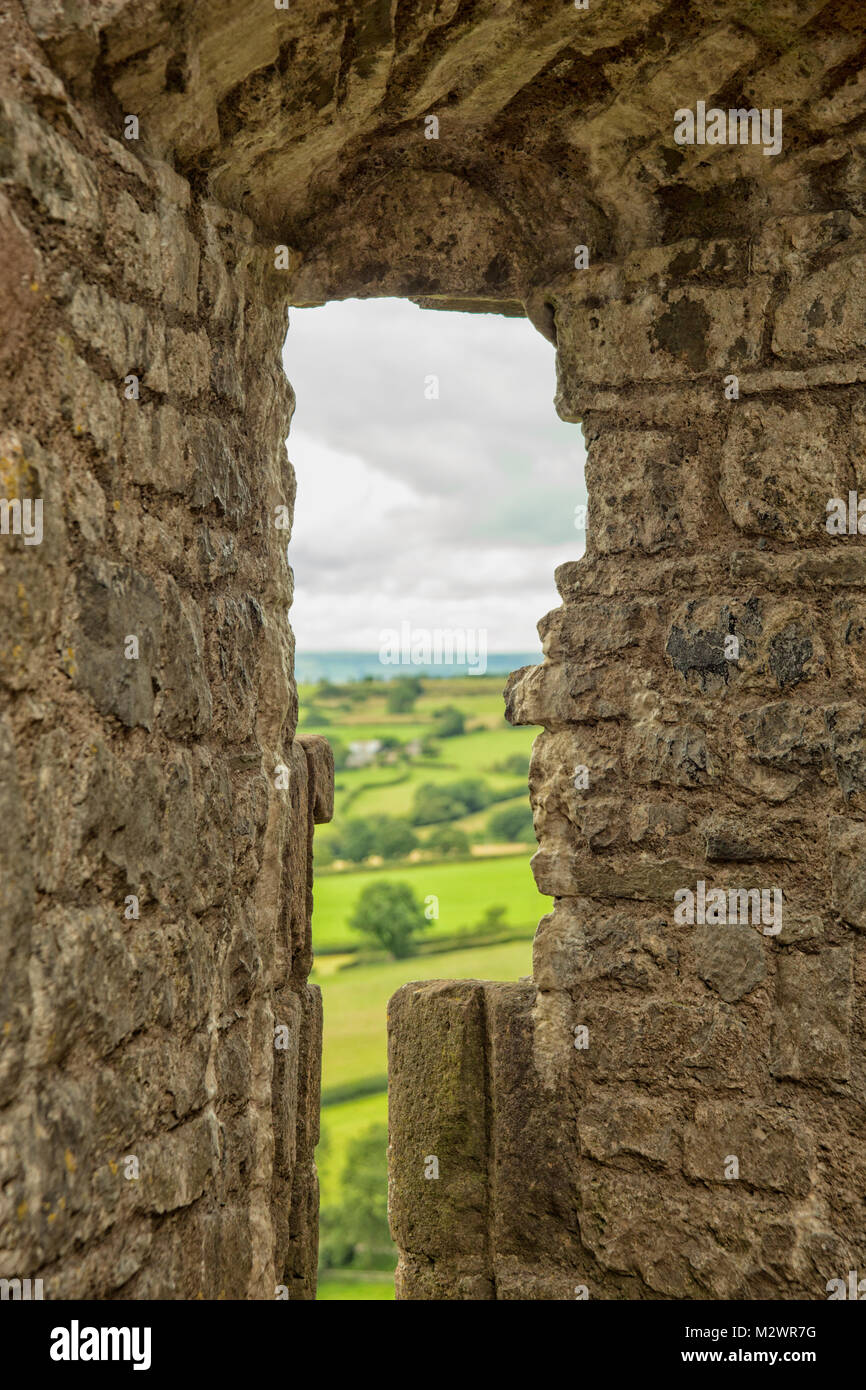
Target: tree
column 516, row 765
column 402, row 694
column 355, row 1233
column 355, row 841
column 435, row 802
column 432, row 804
column 471, row 792
column 512, row 823
column 449, row 839
column 448, row 722
column 391, row 914
column 494, row 918
column 394, row 837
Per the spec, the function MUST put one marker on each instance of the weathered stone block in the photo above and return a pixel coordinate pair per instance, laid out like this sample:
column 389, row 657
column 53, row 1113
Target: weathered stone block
column 582, row 942
column 730, row 958
column 175, row 1168
column 438, row 1111
column 779, row 467
column 772, row 1151
column 320, row 761
column 610, row 1129
column 184, row 705
column 811, row 1033
column 63, row 183
column 117, row 607
column 846, row 735
column 824, row 313
column 847, row 846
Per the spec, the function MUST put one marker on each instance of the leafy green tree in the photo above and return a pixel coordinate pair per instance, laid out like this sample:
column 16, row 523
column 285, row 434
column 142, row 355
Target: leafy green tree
column 448, row 722
column 355, row 1233
column 493, row 917
column 512, row 823
column 391, row 914
column 402, row 694
column 432, row 805
column 472, row 792
column 356, row 841
column 435, row 802
column 515, row 765
column 449, row 839
column 394, row 837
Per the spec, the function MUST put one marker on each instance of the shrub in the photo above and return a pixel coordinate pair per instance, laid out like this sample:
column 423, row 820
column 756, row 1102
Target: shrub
column 515, row 765
column 512, row 823
column 434, row 803
column 394, row 837
column 448, row 722
column 402, row 694
column 358, row 838
column 449, row 839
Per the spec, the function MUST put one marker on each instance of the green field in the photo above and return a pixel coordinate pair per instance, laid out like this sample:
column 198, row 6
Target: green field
column 464, row 890
column 355, row 1048
column 334, row 1288
column 358, row 978
column 356, row 1002
column 339, row 1124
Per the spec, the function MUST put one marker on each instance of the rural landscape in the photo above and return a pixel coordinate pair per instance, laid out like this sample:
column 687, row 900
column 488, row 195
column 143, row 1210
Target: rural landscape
column 422, row 874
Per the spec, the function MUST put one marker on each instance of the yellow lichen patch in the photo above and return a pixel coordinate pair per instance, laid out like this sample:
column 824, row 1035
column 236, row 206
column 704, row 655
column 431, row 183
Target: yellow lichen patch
column 69, row 1161
column 21, row 1210
column 113, row 1166
column 15, row 472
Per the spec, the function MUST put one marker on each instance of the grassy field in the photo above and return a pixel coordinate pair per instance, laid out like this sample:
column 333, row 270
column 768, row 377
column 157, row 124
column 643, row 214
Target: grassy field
column 464, row 889
column 355, row 1049
column 356, row 1002
column 340, row 1123
column 338, row 1288
column 357, row 982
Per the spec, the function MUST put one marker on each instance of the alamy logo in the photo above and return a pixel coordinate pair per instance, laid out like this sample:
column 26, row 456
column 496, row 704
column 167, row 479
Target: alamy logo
column 845, row 519
column 434, row 647
column 20, row 1289
column 837, row 1289
column 760, row 906
column 22, row 518
column 74, row 1343
column 737, row 127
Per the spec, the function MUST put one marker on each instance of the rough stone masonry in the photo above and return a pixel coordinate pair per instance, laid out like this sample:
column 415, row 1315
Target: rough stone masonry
column 665, row 1110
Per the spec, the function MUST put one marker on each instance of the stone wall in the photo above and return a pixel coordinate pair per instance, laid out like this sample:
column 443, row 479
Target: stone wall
column 711, row 340
column 156, row 1132
column 669, row 758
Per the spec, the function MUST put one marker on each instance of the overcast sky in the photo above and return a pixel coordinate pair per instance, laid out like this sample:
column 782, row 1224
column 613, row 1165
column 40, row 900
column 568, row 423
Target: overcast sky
column 444, row 513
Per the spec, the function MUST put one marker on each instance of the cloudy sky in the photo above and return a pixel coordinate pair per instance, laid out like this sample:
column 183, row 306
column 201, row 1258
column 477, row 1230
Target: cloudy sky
column 444, row 513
